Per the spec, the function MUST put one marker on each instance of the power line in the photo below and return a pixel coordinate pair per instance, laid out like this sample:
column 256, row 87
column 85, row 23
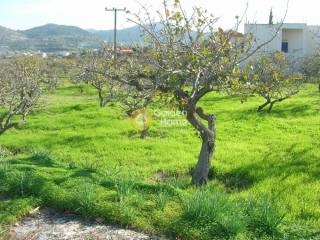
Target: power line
column 115, row 10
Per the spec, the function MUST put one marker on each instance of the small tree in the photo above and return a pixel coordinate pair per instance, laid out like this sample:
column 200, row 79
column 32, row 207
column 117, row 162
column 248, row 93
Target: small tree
column 188, row 59
column 270, row 77
column 135, row 100
column 97, row 70
column 311, row 68
column 22, row 81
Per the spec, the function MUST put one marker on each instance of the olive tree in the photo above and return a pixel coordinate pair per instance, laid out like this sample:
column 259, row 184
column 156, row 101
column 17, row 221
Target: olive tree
column 311, row 68
column 270, row 77
column 22, row 81
column 187, row 59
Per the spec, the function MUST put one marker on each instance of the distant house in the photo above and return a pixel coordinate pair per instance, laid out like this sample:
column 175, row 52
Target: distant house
column 296, row 40
column 121, row 50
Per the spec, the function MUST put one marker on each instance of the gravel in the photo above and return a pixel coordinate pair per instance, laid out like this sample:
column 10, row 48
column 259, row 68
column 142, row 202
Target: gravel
column 47, row 224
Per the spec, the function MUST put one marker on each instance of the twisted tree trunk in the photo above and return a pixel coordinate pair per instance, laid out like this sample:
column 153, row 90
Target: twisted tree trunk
column 261, row 107
column 207, row 133
column 201, row 171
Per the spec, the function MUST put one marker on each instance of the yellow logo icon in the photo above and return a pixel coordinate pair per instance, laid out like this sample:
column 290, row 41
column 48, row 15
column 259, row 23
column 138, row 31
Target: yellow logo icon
column 141, row 119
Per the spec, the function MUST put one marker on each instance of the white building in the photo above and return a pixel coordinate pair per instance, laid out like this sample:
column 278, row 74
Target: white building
column 296, row 40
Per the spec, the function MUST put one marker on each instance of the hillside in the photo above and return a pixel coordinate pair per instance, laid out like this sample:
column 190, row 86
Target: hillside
column 53, row 38
column 47, row 38
column 10, row 39
column 127, row 35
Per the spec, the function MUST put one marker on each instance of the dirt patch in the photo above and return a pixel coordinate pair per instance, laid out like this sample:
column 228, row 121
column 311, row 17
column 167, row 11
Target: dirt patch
column 47, row 224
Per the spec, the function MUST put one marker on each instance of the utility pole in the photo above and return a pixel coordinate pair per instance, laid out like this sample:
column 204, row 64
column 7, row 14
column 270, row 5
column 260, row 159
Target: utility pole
column 115, row 10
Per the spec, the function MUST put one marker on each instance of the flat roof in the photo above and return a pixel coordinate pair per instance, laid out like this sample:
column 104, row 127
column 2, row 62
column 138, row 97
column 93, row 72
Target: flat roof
column 290, row 25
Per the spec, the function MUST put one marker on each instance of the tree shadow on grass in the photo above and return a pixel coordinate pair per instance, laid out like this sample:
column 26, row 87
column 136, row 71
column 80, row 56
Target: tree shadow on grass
column 302, row 161
column 39, row 159
column 236, row 180
column 221, row 98
column 139, row 186
column 293, row 111
column 84, row 172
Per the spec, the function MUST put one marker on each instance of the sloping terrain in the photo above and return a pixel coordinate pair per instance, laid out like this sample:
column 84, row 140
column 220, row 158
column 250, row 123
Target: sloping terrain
column 48, row 38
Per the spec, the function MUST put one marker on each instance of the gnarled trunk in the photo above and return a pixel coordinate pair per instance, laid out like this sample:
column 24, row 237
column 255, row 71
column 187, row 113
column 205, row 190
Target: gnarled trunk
column 101, row 99
column 261, row 107
column 207, row 133
column 201, row 171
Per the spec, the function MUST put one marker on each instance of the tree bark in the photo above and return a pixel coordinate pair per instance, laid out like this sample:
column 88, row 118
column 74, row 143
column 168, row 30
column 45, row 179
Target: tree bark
column 271, row 106
column 261, row 107
column 8, row 126
column 144, row 133
column 207, row 133
column 101, row 99
column 201, row 171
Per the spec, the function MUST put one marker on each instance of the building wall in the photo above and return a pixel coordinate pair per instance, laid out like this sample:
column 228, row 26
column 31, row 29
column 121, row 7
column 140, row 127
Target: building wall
column 312, row 42
column 303, row 40
column 263, row 33
column 295, row 39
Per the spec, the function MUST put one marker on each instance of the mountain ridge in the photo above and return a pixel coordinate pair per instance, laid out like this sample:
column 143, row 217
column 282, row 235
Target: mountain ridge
column 54, row 37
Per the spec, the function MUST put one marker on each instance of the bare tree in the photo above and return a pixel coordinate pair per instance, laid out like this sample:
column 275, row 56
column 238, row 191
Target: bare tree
column 22, row 81
column 188, row 58
column 271, row 78
column 133, row 98
column 97, row 70
column 311, row 68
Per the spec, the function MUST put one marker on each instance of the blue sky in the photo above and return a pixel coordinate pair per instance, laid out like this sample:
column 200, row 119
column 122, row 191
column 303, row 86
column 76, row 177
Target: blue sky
column 23, row 14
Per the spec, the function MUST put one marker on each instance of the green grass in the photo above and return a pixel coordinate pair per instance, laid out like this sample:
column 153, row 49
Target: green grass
column 76, row 156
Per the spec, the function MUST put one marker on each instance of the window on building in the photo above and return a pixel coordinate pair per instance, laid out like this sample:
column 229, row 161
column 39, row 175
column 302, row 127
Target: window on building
column 285, row 47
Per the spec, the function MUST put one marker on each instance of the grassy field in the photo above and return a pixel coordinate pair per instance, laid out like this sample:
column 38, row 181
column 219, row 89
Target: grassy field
column 75, row 156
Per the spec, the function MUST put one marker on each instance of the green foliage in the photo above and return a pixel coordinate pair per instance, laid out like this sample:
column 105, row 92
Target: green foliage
column 272, row 155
